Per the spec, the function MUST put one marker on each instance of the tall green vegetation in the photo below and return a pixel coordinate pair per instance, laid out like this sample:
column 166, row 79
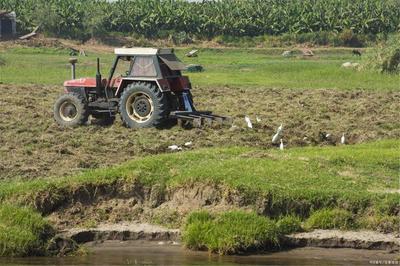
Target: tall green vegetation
column 206, row 19
column 229, row 233
column 386, row 57
column 330, row 219
column 22, row 231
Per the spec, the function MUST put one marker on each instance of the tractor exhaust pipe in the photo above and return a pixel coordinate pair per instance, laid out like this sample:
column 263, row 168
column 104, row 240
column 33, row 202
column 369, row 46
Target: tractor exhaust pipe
column 73, row 61
column 98, row 76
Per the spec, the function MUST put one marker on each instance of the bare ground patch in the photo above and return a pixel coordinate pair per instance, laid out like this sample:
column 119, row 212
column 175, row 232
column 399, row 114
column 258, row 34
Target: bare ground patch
column 32, row 145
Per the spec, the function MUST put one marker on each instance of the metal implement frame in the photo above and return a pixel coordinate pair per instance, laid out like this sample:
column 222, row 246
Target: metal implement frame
column 198, row 119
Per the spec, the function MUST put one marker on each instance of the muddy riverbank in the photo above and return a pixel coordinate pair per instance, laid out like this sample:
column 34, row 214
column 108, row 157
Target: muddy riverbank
column 362, row 239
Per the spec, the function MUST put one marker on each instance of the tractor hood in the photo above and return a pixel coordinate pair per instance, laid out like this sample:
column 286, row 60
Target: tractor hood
column 83, row 82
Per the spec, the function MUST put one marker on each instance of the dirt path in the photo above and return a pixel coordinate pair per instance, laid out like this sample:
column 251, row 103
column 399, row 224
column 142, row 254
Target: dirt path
column 32, row 145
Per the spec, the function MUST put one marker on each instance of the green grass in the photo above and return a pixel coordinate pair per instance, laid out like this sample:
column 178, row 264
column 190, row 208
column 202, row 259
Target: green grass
column 23, row 231
column 297, row 180
column 332, row 184
column 382, row 223
column 330, row 219
column 230, row 232
column 223, row 67
column 288, row 224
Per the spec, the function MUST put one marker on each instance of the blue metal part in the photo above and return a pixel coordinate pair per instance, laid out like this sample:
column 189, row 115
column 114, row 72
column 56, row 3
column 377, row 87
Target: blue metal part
column 187, row 101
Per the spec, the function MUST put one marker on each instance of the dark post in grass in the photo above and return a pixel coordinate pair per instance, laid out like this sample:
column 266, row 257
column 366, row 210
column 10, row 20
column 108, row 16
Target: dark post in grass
column 73, row 61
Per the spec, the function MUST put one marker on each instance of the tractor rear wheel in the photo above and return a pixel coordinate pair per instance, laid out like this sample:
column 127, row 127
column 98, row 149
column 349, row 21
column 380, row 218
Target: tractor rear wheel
column 70, row 110
column 143, row 105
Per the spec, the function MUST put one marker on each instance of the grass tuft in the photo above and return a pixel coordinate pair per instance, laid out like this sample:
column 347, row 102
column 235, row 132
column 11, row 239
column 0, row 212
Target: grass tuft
column 22, row 231
column 289, row 224
column 229, row 233
column 330, row 219
column 382, row 223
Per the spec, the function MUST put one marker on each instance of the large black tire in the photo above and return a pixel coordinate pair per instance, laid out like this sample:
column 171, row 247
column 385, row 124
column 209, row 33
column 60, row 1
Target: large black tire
column 70, row 110
column 143, row 105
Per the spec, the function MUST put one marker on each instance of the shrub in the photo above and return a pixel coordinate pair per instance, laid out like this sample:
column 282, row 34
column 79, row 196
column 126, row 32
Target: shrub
column 386, row 56
column 330, row 219
column 349, row 38
column 229, row 233
column 289, row 224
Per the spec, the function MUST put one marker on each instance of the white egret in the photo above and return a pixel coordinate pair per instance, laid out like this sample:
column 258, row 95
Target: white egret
column 277, row 134
column 248, row 121
column 188, row 144
column 174, row 148
column 281, row 145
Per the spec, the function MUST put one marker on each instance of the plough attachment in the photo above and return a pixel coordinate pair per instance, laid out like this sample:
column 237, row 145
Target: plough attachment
column 199, row 119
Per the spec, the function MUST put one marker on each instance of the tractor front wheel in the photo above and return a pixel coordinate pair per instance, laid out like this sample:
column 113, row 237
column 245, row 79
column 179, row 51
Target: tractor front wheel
column 70, row 110
column 143, row 105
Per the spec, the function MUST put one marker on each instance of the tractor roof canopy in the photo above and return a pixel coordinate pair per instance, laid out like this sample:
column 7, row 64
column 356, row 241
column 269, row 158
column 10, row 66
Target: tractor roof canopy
column 142, row 51
column 165, row 54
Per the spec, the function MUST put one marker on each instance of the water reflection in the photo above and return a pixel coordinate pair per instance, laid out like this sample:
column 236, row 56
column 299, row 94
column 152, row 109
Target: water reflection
column 145, row 253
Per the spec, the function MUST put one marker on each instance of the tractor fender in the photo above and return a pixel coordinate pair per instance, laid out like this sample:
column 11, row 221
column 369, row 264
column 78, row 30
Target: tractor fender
column 77, row 90
column 126, row 81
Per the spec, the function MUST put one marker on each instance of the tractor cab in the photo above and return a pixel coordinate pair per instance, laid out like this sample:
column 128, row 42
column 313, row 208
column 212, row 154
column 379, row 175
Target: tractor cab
column 145, row 86
column 160, row 66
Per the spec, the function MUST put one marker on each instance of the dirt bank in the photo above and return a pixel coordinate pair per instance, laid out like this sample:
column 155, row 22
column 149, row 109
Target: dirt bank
column 123, row 232
column 91, row 205
column 344, row 239
column 318, row 238
column 32, row 145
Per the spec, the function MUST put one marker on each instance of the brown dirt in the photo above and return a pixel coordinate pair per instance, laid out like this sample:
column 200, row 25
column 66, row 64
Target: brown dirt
column 363, row 239
column 130, row 231
column 33, row 145
column 89, row 206
column 126, row 231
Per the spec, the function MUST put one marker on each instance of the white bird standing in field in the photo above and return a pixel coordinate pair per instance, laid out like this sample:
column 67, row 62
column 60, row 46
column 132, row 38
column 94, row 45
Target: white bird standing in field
column 248, row 121
column 343, row 139
column 281, row 145
column 277, row 135
column 188, row 144
column 174, row 148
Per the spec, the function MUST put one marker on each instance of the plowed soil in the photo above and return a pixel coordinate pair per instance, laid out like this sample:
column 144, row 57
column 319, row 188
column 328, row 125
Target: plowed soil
column 32, row 145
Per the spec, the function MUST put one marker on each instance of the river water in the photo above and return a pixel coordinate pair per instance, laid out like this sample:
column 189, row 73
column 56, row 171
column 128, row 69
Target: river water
column 145, row 253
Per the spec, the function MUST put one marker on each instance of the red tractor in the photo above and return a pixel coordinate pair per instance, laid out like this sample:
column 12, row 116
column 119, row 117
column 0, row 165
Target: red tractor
column 150, row 91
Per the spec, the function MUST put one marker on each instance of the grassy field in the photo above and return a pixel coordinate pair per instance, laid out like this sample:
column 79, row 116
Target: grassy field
column 315, row 181
column 359, row 180
column 32, row 145
column 264, row 68
column 363, row 173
